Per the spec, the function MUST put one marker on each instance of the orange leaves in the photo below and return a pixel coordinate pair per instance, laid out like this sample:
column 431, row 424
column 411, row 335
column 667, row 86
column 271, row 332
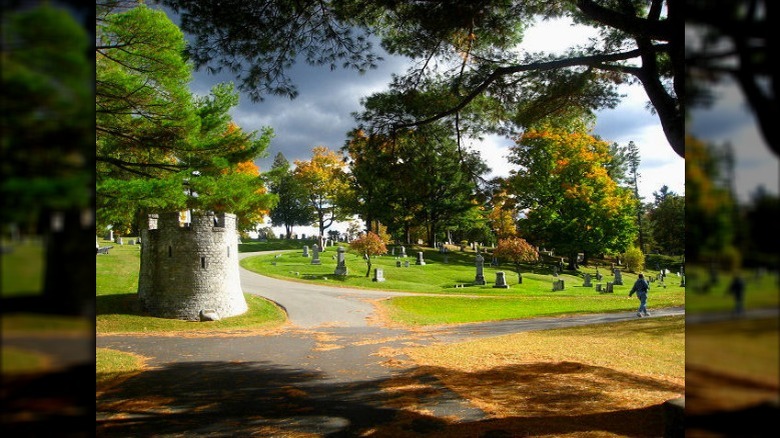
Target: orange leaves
column 516, row 249
column 232, row 127
column 248, row 168
column 370, row 244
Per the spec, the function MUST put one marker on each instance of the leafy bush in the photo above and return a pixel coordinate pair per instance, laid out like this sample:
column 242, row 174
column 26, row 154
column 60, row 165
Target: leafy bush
column 634, row 259
column 657, row 262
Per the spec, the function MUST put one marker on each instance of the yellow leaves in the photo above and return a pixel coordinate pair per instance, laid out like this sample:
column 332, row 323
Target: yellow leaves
column 248, row 168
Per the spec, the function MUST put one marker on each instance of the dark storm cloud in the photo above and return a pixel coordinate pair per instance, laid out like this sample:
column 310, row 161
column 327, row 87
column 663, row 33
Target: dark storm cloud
column 321, row 114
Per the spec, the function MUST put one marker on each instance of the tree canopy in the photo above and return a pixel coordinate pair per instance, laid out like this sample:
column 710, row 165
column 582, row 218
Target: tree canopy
column 572, row 203
column 159, row 147
column 292, row 208
column 46, row 122
column 468, row 55
column 419, row 178
column 324, row 180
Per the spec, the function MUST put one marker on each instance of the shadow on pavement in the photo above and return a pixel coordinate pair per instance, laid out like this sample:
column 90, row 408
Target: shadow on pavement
column 245, row 398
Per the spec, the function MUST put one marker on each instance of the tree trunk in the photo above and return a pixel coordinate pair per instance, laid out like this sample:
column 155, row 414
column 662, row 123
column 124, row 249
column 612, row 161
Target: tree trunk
column 368, row 262
column 573, row 261
column 69, row 280
column 432, row 235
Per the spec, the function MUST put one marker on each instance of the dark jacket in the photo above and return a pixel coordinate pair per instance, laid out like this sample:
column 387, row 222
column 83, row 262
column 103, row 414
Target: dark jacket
column 641, row 286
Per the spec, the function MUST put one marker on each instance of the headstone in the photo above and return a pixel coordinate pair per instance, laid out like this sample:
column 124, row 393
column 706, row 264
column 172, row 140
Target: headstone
column 315, row 260
column 446, row 259
column 119, row 240
column 398, row 263
column 305, row 250
column 555, row 270
column 618, row 277
column 479, row 262
column 557, row 285
column 406, row 263
column 341, row 263
column 131, row 242
column 110, row 235
column 138, row 241
column 420, row 260
column 494, row 262
column 501, row 281
column 392, row 251
column 598, row 287
column 610, row 287
column 379, row 275
column 587, row 281
column 599, row 277
column 403, row 251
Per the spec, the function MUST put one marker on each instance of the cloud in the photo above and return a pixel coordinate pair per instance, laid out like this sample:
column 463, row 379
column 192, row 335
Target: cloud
column 730, row 121
column 322, row 113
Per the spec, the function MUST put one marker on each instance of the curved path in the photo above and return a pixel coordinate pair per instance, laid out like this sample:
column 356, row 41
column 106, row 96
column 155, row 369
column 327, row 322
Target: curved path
column 322, row 374
column 312, row 305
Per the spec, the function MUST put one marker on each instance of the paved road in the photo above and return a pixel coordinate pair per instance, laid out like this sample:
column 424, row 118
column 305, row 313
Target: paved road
column 310, row 305
column 332, row 351
column 322, row 374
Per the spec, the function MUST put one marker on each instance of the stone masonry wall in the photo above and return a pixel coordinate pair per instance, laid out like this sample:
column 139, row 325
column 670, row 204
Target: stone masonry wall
column 186, row 269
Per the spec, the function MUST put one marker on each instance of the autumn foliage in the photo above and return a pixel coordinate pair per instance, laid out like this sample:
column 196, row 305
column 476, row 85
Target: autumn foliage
column 517, row 250
column 369, row 244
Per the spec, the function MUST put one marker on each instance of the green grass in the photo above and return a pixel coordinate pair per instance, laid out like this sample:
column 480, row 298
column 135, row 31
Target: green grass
column 33, row 322
column 453, row 310
column 118, row 310
column 112, row 365
column 274, row 245
column 761, row 291
column 470, row 303
column 15, row 360
column 22, row 268
column 21, row 275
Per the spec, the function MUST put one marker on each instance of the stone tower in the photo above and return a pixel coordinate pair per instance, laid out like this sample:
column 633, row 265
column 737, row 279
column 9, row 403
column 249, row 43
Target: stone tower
column 187, row 267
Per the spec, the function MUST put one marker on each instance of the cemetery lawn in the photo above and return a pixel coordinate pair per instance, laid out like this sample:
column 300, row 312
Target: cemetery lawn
column 551, row 380
column 117, row 308
column 22, row 264
column 447, row 304
column 762, row 290
column 25, row 260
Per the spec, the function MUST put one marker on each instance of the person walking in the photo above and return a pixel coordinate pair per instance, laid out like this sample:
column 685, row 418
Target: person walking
column 640, row 288
column 737, row 289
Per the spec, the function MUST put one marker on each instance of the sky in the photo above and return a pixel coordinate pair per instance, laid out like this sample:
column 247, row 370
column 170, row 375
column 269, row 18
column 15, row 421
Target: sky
column 729, row 120
column 322, row 115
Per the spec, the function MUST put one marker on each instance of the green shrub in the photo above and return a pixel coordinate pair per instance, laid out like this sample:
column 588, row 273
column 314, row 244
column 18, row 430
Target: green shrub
column 656, row 262
column 634, row 259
